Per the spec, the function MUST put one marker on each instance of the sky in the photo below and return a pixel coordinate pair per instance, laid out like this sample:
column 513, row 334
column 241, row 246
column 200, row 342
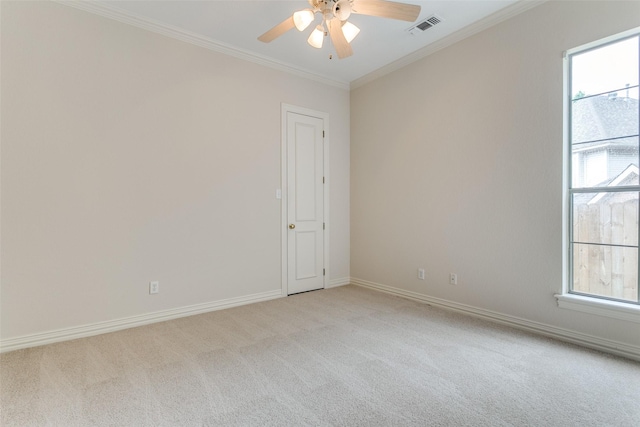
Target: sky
column 607, row 68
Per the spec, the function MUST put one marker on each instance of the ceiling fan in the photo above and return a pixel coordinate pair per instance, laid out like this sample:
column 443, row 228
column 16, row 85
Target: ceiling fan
column 335, row 14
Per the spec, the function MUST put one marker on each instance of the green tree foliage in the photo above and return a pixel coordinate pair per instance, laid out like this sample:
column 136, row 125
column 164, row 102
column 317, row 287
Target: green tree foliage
column 578, row 95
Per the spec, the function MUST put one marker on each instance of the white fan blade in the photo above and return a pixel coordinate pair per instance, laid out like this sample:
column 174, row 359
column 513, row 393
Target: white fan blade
column 343, row 48
column 387, row 9
column 278, row 30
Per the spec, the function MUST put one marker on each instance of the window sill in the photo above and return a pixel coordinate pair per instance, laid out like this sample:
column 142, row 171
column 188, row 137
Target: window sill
column 614, row 309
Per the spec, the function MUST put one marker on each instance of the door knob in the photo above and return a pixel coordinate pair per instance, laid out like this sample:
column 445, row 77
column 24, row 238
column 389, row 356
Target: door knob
column 292, row 226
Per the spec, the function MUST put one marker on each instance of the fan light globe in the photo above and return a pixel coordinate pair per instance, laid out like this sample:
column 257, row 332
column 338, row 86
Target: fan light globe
column 350, row 31
column 342, row 10
column 302, row 19
column 316, row 37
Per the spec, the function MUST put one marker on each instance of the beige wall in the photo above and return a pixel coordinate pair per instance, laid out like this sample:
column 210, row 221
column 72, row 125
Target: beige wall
column 457, row 167
column 127, row 157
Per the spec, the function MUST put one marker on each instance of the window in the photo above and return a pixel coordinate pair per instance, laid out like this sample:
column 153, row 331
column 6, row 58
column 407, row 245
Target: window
column 603, row 176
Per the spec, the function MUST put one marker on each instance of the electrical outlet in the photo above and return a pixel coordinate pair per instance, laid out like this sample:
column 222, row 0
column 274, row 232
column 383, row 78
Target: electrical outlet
column 421, row 273
column 453, row 279
column 154, row 287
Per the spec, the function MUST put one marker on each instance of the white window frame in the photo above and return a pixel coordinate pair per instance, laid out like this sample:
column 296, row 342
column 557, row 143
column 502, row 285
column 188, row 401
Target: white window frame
column 629, row 311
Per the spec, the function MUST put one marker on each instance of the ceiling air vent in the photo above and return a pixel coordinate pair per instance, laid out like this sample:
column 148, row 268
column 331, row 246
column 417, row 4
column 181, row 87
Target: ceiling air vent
column 425, row 24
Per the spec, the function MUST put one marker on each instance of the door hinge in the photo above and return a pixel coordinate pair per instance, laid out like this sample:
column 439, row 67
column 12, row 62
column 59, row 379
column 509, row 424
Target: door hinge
column 323, row 134
column 323, row 226
column 324, row 272
column 323, row 179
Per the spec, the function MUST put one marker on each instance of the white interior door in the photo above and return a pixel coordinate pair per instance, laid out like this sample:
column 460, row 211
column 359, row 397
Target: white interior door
column 305, row 203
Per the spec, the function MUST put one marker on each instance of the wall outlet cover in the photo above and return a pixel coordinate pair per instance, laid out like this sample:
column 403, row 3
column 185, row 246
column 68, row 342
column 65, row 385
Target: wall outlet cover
column 154, row 287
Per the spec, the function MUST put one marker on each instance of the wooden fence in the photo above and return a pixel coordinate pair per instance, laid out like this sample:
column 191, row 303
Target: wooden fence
column 606, row 270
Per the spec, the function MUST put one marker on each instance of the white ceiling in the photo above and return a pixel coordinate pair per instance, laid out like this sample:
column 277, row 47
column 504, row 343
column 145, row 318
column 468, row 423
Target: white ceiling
column 234, row 26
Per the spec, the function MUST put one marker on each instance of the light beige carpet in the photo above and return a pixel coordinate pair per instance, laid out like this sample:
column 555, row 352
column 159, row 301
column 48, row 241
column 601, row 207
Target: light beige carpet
column 340, row 357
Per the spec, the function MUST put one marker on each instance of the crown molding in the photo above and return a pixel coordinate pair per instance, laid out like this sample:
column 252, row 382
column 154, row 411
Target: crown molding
column 117, row 14
column 483, row 24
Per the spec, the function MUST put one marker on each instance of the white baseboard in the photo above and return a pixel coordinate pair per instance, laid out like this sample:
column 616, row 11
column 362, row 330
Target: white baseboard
column 339, row 282
column 130, row 322
column 602, row 344
column 609, row 346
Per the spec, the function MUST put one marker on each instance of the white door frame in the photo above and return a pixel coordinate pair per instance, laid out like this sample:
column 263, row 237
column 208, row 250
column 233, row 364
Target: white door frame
column 284, row 222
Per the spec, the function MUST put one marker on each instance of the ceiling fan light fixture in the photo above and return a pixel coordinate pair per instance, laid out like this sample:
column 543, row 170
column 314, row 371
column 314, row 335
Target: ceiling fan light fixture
column 303, row 18
column 335, row 13
column 350, row 31
column 316, row 38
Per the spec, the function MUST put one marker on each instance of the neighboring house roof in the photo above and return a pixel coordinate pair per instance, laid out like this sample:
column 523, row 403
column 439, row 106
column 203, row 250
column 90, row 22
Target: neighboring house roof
column 603, row 117
column 629, row 176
